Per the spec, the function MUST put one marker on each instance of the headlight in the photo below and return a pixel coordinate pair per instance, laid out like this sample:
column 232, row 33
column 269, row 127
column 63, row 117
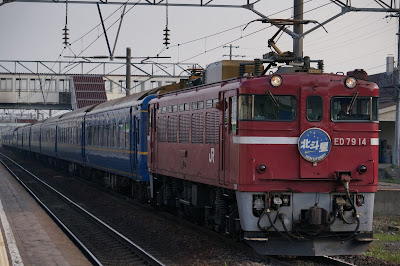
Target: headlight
column 276, row 81
column 262, row 168
column 362, row 169
column 350, row 82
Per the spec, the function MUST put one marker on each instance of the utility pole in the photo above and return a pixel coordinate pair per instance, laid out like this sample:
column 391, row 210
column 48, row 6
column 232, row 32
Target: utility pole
column 230, row 51
column 298, row 28
column 397, row 86
column 128, row 71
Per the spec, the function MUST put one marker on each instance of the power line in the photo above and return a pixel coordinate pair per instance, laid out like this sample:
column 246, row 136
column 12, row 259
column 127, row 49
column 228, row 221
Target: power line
column 369, row 53
column 224, row 31
column 95, row 27
column 219, row 46
column 357, row 38
column 351, row 31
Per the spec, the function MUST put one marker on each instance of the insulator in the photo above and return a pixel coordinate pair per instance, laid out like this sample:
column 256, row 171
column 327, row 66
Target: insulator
column 166, row 36
column 65, row 33
column 257, row 67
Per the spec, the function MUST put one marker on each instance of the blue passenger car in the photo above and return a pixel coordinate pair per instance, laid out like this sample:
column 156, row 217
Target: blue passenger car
column 36, row 137
column 115, row 137
column 26, row 140
column 70, row 128
column 48, row 135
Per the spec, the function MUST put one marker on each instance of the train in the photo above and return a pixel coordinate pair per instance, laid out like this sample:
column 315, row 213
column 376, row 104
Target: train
column 286, row 161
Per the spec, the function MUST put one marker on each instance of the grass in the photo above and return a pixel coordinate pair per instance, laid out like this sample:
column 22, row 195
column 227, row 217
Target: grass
column 387, row 237
column 378, row 251
column 381, row 248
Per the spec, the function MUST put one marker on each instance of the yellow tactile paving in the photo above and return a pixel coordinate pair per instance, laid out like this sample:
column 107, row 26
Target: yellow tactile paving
column 3, row 252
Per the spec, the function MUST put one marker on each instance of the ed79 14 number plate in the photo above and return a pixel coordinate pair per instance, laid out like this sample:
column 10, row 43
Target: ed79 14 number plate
column 351, row 141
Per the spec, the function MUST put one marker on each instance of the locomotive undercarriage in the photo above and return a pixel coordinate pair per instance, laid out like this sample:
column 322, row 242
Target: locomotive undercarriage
column 307, row 223
column 211, row 206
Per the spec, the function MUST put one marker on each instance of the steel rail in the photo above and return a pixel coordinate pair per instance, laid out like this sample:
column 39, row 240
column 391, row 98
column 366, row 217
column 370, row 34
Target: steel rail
column 336, row 261
column 75, row 239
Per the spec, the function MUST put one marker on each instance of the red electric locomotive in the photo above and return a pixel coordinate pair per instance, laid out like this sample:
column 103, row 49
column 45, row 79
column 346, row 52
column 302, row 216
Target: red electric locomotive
column 288, row 160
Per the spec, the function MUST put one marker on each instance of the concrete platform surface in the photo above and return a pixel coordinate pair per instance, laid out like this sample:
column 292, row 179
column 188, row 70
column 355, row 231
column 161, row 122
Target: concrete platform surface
column 28, row 235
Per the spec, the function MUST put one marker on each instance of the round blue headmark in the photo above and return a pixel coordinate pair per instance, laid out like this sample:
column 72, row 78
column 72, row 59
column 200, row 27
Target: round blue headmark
column 314, row 144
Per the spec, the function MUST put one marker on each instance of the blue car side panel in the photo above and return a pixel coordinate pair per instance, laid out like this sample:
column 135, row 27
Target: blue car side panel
column 49, row 138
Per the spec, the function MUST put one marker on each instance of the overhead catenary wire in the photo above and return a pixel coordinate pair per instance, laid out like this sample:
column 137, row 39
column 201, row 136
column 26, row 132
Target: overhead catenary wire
column 43, row 86
column 357, row 38
column 350, row 31
column 364, row 55
column 230, row 29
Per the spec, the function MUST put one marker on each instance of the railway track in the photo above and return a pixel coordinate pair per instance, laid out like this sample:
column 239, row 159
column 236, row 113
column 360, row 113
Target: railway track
column 335, row 261
column 112, row 199
column 99, row 242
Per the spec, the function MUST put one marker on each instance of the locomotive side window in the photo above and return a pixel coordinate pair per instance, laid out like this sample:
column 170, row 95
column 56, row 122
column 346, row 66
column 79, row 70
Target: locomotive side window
column 173, row 108
column 354, row 108
column 267, row 107
column 211, row 103
column 200, row 105
column 233, row 113
column 314, row 108
column 197, row 105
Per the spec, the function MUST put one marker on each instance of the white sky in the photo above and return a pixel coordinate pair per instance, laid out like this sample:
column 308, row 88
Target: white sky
column 355, row 40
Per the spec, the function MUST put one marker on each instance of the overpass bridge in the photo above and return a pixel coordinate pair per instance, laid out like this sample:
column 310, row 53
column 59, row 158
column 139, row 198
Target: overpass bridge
column 46, row 87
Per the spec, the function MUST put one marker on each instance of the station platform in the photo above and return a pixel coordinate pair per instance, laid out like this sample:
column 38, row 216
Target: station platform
column 28, row 236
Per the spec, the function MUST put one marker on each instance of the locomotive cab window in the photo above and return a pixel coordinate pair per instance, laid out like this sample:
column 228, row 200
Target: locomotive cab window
column 314, row 108
column 354, row 108
column 267, row 107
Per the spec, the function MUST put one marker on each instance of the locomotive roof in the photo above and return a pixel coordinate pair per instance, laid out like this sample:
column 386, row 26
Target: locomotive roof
column 126, row 101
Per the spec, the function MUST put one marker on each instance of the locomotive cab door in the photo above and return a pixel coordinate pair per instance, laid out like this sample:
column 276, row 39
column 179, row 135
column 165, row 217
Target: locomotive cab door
column 314, row 142
column 227, row 128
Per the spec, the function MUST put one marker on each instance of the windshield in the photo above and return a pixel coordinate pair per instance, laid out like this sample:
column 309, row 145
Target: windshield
column 267, row 107
column 361, row 109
